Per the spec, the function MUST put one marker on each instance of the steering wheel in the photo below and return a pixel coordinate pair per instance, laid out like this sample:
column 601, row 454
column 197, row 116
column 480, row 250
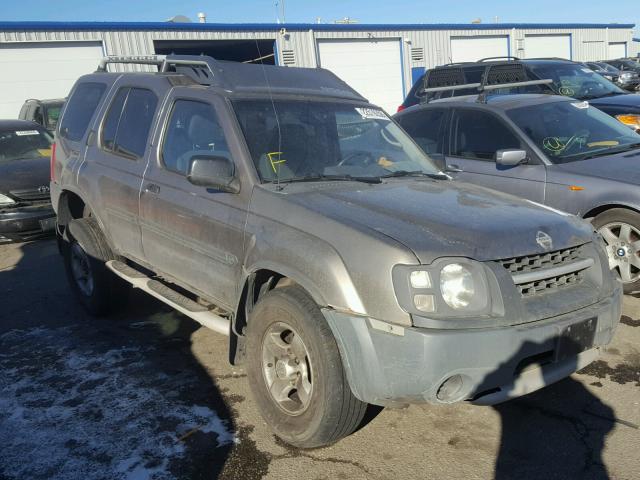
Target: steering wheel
column 588, row 87
column 357, row 157
column 573, row 141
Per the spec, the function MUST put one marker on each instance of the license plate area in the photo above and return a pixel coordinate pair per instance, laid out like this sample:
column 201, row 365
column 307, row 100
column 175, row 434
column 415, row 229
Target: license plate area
column 48, row 224
column 577, row 338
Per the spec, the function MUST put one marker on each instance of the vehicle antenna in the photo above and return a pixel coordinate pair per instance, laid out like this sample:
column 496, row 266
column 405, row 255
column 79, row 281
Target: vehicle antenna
column 275, row 111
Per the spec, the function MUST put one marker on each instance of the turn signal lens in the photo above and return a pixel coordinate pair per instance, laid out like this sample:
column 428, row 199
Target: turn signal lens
column 632, row 121
column 575, row 188
column 424, row 303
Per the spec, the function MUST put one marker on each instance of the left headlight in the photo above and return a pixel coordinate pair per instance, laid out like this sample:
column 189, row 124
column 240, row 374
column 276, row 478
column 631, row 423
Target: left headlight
column 4, row 200
column 448, row 288
column 630, row 120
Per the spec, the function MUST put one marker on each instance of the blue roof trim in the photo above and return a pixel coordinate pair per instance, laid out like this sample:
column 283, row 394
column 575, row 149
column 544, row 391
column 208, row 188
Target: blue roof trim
column 102, row 26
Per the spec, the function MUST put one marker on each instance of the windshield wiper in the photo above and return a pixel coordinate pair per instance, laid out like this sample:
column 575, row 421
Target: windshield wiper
column 330, row 178
column 611, row 151
column 417, row 173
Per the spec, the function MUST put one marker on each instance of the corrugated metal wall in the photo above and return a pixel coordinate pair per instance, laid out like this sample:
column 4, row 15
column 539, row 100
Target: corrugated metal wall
column 587, row 43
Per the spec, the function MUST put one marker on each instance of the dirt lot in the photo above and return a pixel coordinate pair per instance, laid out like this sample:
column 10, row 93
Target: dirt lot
column 150, row 394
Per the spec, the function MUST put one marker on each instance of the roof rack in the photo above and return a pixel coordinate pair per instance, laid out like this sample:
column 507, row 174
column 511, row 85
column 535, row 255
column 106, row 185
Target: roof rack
column 201, row 70
column 495, row 77
column 490, row 59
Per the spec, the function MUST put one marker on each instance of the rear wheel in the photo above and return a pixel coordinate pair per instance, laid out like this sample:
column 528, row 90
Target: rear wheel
column 85, row 251
column 620, row 229
column 296, row 373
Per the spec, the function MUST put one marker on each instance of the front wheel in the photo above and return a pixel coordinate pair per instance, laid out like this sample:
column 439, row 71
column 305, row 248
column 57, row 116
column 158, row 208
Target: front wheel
column 620, row 229
column 296, row 373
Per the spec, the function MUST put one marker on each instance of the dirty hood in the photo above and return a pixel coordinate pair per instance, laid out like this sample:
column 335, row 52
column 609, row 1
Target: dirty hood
column 24, row 174
column 443, row 218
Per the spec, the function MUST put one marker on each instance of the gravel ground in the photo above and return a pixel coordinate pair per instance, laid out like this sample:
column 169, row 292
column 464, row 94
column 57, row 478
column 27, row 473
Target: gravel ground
column 148, row 394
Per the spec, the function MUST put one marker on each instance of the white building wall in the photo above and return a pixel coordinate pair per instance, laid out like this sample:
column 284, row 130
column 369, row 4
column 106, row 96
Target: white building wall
column 434, row 45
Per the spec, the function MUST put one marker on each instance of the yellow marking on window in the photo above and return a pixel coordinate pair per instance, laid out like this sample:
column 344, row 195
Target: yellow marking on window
column 275, row 159
column 604, row 143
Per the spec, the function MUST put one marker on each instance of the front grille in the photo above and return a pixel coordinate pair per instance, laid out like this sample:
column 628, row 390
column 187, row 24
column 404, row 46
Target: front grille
column 549, row 284
column 31, row 194
column 531, row 263
column 545, row 273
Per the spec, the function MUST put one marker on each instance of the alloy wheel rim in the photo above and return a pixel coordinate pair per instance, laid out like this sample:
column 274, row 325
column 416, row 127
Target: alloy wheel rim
column 286, row 368
column 623, row 249
column 81, row 270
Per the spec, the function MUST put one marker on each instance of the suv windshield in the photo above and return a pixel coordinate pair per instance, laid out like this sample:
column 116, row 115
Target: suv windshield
column 569, row 131
column 20, row 144
column 296, row 140
column 575, row 81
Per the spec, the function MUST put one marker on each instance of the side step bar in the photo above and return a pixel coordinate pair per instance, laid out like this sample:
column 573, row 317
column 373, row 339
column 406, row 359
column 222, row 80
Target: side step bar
column 174, row 299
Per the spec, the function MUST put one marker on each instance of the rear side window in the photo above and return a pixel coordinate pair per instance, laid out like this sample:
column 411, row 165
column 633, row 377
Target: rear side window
column 80, row 109
column 425, row 127
column 127, row 125
column 479, row 135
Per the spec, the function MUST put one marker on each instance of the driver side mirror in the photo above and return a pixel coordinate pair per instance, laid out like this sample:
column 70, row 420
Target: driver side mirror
column 511, row 158
column 213, row 171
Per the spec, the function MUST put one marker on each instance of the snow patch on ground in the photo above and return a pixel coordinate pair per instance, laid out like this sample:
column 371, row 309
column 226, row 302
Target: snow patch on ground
column 71, row 410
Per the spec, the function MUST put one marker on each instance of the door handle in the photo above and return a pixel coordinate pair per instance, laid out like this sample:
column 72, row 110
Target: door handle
column 152, row 188
column 453, row 169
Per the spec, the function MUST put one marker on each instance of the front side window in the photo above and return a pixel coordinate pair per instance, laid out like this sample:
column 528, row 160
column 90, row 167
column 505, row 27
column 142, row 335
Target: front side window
column 126, row 128
column 570, row 131
column 80, row 109
column 193, row 129
column 296, row 140
column 479, row 135
column 24, row 143
column 425, row 127
column 53, row 114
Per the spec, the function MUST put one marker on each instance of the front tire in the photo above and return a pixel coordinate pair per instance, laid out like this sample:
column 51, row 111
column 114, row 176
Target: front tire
column 295, row 371
column 620, row 229
column 85, row 251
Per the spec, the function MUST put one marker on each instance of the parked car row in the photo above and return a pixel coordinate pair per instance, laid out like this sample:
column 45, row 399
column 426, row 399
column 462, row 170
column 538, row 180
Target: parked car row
column 569, row 79
column 277, row 206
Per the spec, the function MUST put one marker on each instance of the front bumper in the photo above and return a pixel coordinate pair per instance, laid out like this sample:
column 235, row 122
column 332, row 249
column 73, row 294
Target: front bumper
column 26, row 222
column 485, row 366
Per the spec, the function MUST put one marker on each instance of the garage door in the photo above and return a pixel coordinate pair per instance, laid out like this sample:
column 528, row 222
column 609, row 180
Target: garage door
column 471, row 49
column 372, row 67
column 42, row 70
column 594, row 50
column 617, row 50
column 543, row 46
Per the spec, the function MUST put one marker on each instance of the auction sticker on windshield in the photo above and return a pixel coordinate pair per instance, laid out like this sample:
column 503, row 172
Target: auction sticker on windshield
column 22, row 133
column 372, row 113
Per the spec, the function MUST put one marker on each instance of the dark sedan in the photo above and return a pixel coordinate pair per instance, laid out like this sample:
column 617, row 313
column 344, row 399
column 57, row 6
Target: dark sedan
column 25, row 205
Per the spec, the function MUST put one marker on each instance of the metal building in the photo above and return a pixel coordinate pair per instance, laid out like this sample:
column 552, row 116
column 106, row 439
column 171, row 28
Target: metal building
column 43, row 59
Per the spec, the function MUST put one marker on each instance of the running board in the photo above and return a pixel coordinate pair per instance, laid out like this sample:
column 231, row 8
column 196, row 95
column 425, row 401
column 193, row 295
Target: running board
column 174, row 299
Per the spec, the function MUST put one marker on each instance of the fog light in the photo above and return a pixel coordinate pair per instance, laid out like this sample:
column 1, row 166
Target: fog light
column 451, row 389
column 424, row 303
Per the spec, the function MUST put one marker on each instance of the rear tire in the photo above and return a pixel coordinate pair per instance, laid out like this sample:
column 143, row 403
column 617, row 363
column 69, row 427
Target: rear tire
column 85, row 251
column 620, row 229
column 312, row 404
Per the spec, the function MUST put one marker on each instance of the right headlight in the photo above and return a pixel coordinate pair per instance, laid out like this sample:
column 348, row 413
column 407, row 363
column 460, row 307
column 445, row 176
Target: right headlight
column 448, row 288
column 4, row 200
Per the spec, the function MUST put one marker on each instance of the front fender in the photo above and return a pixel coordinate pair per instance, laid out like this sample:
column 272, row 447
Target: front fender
column 311, row 262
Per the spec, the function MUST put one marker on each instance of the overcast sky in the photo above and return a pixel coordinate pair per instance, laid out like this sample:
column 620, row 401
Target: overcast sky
column 365, row 11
